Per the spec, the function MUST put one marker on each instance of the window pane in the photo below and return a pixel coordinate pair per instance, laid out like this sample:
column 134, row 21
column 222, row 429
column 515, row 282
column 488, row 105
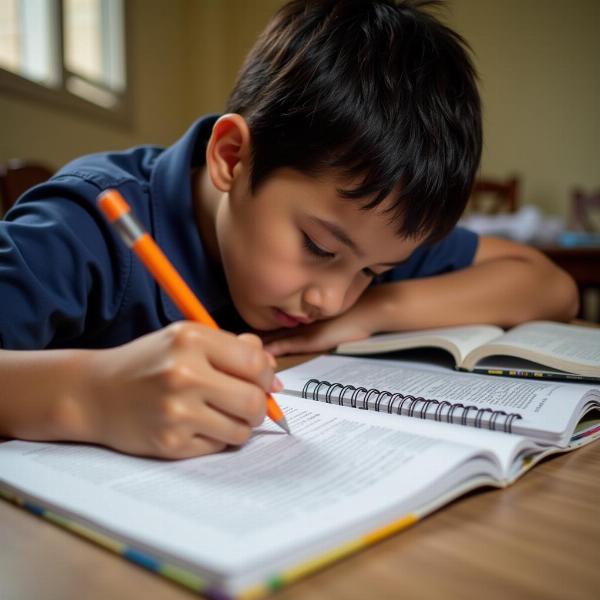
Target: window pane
column 83, row 38
column 9, row 36
column 94, row 48
column 28, row 40
column 84, row 55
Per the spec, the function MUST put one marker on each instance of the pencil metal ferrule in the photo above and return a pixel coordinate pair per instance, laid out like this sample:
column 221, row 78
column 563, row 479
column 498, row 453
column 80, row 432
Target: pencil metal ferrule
column 129, row 228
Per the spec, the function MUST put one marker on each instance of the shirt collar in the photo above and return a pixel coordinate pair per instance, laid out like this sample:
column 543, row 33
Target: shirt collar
column 175, row 228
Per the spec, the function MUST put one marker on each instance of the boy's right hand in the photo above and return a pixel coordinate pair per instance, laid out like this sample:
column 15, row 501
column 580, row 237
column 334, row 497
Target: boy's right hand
column 183, row 391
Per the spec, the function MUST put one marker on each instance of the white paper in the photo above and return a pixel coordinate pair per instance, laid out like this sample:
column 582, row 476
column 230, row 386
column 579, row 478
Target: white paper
column 276, row 499
column 569, row 342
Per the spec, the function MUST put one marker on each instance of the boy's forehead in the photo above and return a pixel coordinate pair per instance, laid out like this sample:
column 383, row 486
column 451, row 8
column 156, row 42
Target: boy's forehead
column 368, row 231
column 384, row 216
column 365, row 231
column 332, row 188
column 323, row 198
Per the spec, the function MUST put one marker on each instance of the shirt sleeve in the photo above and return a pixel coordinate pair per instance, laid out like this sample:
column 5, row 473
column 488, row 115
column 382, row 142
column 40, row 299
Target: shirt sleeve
column 456, row 251
column 59, row 264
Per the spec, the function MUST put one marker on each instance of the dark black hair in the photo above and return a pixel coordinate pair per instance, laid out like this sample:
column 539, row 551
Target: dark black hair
column 380, row 92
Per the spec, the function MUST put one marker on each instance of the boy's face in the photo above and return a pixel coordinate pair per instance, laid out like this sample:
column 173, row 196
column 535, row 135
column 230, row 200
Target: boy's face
column 296, row 252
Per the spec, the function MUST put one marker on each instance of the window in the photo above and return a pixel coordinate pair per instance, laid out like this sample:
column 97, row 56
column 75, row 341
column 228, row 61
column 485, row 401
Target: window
column 70, row 51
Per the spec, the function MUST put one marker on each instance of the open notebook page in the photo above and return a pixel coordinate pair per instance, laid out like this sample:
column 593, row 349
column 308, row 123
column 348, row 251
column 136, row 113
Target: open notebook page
column 277, row 501
column 549, row 410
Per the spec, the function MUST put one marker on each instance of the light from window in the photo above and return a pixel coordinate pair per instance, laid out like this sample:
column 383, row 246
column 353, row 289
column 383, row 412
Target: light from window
column 10, row 42
column 93, row 34
column 83, row 38
column 83, row 55
column 28, row 41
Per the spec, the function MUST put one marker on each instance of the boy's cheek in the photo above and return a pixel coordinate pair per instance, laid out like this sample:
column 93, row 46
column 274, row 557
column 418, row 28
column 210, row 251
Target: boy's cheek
column 276, row 281
column 354, row 294
column 255, row 294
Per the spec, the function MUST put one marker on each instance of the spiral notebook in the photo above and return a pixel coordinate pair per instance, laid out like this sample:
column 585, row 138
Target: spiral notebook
column 545, row 411
column 246, row 522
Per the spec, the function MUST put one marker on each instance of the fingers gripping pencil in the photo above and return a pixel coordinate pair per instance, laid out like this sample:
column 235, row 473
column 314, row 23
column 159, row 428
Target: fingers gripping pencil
column 118, row 213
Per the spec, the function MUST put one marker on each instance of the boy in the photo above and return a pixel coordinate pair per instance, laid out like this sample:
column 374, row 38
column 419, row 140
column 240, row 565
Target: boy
column 322, row 205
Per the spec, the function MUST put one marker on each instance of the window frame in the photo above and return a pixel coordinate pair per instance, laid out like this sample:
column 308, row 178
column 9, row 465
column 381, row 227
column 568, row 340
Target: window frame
column 60, row 97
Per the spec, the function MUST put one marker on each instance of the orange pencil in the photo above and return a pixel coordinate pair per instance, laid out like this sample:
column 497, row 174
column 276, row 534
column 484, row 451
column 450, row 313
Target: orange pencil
column 119, row 214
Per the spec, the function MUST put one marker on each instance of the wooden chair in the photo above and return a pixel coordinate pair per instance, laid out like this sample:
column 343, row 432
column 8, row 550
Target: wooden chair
column 493, row 196
column 584, row 207
column 16, row 177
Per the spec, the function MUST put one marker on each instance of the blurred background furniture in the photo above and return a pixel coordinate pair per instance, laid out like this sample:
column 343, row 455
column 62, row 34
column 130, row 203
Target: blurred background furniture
column 575, row 248
column 578, row 251
column 583, row 264
column 17, row 176
column 493, row 196
column 585, row 211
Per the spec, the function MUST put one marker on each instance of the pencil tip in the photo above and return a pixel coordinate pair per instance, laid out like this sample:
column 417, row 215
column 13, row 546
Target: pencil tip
column 284, row 425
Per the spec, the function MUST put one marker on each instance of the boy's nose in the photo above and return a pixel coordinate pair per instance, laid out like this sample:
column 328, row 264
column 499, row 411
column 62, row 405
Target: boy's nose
column 327, row 300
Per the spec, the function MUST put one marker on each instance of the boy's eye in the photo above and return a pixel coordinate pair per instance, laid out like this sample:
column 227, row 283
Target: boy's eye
column 315, row 249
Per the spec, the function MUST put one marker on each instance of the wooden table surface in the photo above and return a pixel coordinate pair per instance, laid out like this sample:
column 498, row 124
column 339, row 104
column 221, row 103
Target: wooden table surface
column 539, row 538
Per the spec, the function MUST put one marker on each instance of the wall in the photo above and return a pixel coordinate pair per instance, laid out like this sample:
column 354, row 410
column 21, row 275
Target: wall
column 158, row 75
column 538, row 62
column 540, row 84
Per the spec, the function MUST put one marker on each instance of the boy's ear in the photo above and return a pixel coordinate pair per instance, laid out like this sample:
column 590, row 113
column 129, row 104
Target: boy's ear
column 229, row 144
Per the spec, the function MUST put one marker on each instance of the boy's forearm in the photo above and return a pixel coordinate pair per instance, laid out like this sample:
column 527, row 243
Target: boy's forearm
column 41, row 394
column 505, row 292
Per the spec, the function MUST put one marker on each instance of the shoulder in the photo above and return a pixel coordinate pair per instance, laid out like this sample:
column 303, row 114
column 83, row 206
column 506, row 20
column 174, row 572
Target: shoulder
column 58, row 258
column 68, row 199
column 110, row 169
column 63, row 257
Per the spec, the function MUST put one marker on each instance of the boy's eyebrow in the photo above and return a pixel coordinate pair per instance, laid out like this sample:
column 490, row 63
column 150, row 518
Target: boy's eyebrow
column 345, row 239
column 340, row 235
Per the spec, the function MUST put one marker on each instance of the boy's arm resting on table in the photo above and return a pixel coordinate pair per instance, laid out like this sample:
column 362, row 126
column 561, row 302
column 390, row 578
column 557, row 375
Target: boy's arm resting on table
column 183, row 391
column 507, row 283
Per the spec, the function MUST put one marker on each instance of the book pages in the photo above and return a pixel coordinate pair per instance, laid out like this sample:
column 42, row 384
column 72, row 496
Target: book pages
column 459, row 341
column 580, row 345
column 278, row 498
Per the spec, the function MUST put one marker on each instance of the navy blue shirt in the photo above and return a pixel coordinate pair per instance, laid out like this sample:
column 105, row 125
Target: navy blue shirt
column 67, row 280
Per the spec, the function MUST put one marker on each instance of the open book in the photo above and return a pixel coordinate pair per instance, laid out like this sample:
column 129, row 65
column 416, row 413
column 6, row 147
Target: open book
column 247, row 521
column 535, row 349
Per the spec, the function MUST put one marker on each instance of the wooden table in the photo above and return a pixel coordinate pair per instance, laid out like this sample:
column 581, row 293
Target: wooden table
column 540, row 538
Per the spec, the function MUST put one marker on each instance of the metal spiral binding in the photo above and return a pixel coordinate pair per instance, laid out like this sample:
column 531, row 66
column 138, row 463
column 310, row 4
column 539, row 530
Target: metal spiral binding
column 408, row 405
